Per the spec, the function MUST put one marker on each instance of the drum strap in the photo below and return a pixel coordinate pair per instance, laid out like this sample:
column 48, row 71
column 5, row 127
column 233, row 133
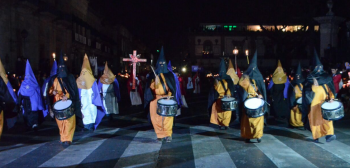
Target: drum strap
column 301, row 89
column 325, row 89
column 163, row 85
column 61, row 84
column 223, row 85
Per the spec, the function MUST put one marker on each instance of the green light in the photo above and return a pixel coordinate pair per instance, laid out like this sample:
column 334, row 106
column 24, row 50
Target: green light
column 225, row 26
column 229, row 26
column 157, row 50
column 230, row 29
column 234, row 26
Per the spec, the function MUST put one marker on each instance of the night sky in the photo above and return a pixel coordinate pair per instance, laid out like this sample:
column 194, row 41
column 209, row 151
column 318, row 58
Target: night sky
column 165, row 22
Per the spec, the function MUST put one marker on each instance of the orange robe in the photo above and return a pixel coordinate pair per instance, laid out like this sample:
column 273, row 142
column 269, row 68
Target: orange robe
column 251, row 128
column 66, row 127
column 319, row 126
column 295, row 113
column 219, row 117
column 163, row 126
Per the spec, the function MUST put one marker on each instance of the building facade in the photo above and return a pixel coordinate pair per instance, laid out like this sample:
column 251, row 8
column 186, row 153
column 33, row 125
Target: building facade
column 35, row 29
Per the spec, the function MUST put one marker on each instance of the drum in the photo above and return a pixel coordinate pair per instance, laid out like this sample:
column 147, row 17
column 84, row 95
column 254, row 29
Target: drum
column 299, row 102
column 332, row 111
column 166, row 108
column 228, row 104
column 254, row 107
column 63, row 109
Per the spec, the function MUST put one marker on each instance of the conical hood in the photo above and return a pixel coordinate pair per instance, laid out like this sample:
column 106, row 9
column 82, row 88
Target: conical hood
column 222, row 70
column 53, row 69
column 62, row 69
column 30, row 84
column 86, row 79
column 298, row 76
column 232, row 73
column 161, row 66
column 108, row 76
column 279, row 77
column 253, row 71
column 3, row 73
column 316, row 60
column 170, row 68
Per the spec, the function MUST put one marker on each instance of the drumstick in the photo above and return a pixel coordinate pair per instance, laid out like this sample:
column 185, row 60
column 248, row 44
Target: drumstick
column 153, row 71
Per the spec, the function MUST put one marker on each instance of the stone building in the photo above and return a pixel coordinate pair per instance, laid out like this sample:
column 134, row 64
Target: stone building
column 35, row 29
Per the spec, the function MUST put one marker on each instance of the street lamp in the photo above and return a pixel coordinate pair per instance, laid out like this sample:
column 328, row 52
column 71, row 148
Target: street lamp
column 53, row 56
column 247, row 54
column 235, row 52
column 65, row 57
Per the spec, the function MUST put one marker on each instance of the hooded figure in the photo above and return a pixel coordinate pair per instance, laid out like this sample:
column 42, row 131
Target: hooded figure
column 251, row 85
column 7, row 98
column 161, row 86
column 29, row 96
column 178, row 89
column 61, row 87
column 197, row 84
column 318, row 87
column 135, row 95
column 279, row 90
column 295, row 92
column 110, row 94
column 44, row 87
column 223, row 87
column 89, row 95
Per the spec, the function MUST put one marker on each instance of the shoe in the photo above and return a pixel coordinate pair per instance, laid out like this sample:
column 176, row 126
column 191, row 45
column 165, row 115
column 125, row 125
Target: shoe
column 259, row 140
column 316, row 140
column 66, row 143
column 168, row 139
column 35, row 127
column 330, row 138
column 247, row 140
column 222, row 128
column 160, row 139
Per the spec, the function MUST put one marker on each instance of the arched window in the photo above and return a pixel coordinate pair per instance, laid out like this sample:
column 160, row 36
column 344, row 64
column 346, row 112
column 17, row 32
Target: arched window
column 207, row 48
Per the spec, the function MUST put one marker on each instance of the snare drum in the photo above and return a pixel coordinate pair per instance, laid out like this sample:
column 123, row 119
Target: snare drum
column 332, row 111
column 299, row 102
column 228, row 104
column 63, row 109
column 166, row 108
column 254, row 107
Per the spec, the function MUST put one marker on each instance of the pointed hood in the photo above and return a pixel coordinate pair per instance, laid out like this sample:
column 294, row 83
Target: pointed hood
column 86, row 79
column 253, row 71
column 161, row 66
column 279, row 77
column 62, row 69
column 170, row 68
column 232, row 73
column 222, row 71
column 108, row 76
column 298, row 76
column 53, row 69
column 30, row 84
column 316, row 60
column 3, row 73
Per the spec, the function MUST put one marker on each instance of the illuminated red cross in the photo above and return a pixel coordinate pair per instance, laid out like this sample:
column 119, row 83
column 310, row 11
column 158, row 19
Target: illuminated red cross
column 134, row 60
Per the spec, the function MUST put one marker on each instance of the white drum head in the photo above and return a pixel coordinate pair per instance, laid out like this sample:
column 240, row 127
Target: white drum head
column 167, row 102
column 62, row 105
column 228, row 99
column 330, row 106
column 300, row 100
column 254, row 103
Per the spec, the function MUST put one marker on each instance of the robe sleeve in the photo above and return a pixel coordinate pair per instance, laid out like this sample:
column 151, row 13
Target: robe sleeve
column 117, row 90
column 97, row 98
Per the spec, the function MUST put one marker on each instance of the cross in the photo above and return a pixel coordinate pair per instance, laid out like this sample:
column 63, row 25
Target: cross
column 134, row 58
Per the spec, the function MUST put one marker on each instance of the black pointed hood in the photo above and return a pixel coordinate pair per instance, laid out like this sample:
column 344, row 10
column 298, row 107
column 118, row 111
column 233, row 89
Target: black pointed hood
column 222, row 70
column 161, row 66
column 298, row 76
column 253, row 70
column 62, row 69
